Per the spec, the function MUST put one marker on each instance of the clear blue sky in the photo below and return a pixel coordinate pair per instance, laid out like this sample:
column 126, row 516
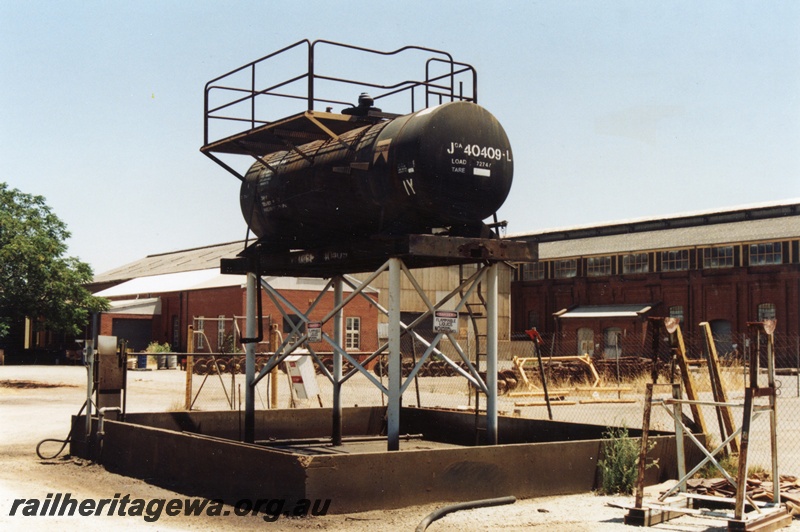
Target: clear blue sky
column 614, row 109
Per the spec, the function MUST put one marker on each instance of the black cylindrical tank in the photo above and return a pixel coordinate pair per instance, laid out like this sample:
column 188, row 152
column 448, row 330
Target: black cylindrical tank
column 444, row 166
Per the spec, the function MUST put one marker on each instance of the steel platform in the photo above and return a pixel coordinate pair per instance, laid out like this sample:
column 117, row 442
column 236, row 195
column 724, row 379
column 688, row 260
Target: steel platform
column 416, row 251
column 289, row 132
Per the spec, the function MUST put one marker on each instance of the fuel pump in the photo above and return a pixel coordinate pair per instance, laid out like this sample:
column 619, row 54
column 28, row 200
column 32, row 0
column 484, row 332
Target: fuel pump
column 110, row 372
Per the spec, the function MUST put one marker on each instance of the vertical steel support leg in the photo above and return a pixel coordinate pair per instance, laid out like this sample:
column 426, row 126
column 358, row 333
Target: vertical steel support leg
column 336, row 435
column 677, row 414
column 250, row 359
column 91, row 349
column 89, row 388
column 747, row 418
column 773, row 417
column 741, row 479
column 648, row 407
column 393, row 409
column 491, row 356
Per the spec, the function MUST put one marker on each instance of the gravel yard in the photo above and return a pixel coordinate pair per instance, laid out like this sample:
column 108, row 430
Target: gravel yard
column 36, row 402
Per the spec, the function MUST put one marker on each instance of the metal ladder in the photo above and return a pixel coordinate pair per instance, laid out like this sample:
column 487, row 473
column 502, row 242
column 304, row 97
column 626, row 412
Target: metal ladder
column 478, row 318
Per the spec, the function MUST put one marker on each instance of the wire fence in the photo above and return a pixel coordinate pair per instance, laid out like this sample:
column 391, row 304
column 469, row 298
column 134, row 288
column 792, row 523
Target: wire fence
column 600, row 386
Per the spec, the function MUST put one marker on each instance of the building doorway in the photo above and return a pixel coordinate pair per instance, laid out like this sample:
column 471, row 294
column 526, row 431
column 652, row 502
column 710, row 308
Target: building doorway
column 585, row 341
column 613, row 342
column 138, row 333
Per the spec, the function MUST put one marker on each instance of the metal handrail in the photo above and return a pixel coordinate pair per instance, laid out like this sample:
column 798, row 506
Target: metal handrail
column 441, row 86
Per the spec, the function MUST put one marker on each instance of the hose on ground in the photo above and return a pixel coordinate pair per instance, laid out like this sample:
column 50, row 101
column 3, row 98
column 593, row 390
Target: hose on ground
column 469, row 505
column 63, row 445
column 63, row 442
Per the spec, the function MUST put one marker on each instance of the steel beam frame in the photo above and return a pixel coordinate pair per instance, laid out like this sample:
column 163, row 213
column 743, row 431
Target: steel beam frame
column 765, row 516
column 396, row 385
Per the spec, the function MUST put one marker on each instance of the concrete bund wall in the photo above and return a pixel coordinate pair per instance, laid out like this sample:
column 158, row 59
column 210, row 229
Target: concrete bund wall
column 202, row 466
column 395, row 480
column 459, row 428
column 277, row 424
column 205, row 464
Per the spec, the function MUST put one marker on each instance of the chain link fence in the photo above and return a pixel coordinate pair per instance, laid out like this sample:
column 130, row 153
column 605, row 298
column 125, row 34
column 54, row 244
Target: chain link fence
column 600, row 386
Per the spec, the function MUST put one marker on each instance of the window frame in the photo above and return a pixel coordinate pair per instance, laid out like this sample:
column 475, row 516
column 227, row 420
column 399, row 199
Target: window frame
column 636, row 266
column 713, row 259
column 676, row 311
column 533, row 271
column 220, row 332
column 598, row 266
column 671, row 263
column 767, row 308
column 766, row 258
column 200, row 325
column 565, row 268
column 352, row 335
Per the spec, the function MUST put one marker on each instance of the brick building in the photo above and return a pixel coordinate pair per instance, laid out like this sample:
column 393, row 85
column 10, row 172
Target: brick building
column 599, row 283
column 159, row 297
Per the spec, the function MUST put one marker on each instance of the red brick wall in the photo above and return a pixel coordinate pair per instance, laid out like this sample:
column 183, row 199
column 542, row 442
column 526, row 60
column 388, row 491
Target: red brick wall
column 230, row 302
column 705, row 295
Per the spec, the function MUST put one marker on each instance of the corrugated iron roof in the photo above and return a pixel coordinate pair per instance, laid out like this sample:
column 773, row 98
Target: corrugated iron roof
column 173, row 262
column 752, row 223
column 173, row 282
column 204, row 279
column 740, row 213
column 701, row 235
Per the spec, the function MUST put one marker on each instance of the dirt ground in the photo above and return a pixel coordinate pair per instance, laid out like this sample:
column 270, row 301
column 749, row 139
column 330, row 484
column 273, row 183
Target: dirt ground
column 36, row 402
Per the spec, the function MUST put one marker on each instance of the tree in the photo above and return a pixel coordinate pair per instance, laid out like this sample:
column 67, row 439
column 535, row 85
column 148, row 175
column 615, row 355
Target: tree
column 37, row 280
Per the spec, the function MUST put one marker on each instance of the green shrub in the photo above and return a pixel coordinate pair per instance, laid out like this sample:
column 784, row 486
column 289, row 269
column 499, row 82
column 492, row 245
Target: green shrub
column 730, row 463
column 620, row 462
column 155, row 347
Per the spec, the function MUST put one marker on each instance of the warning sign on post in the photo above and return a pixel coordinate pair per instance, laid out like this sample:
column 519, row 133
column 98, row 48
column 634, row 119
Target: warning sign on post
column 445, row 321
column 314, row 330
column 304, row 379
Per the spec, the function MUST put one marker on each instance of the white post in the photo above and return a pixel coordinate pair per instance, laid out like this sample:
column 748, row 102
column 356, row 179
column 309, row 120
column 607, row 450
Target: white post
column 491, row 356
column 250, row 358
column 89, row 388
column 338, row 336
column 393, row 409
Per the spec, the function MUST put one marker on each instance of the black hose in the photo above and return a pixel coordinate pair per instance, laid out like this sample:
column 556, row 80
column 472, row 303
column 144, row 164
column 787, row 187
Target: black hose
column 441, row 512
column 63, row 442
